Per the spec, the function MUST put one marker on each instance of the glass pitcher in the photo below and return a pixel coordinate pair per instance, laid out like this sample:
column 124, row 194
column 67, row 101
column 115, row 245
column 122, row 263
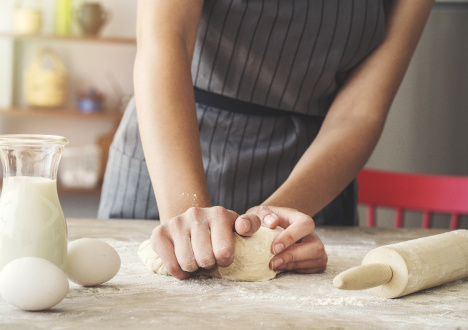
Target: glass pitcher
column 32, row 223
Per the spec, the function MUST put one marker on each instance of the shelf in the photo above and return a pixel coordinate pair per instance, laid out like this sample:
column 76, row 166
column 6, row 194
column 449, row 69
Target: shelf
column 73, row 38
column 69, row 114
column 60, row 113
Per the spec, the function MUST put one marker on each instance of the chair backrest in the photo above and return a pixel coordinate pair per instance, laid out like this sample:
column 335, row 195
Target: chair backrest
column 417, row 192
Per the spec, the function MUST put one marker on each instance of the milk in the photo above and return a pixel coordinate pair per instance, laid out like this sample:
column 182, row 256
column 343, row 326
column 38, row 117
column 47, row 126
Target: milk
column 32, row 223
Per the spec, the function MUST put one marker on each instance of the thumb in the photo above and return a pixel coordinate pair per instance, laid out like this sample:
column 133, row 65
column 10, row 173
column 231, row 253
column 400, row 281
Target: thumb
column 269, row 218
column 247, row 224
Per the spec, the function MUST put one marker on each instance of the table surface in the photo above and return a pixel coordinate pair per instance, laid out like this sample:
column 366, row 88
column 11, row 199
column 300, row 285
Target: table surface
column 139, row 299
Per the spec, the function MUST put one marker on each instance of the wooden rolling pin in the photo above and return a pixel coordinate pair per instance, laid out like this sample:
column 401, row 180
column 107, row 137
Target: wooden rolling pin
column 399, row 269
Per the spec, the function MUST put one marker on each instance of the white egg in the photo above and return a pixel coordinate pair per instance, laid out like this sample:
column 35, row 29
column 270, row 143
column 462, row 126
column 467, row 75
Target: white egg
column 33, row 284
column 91, row 262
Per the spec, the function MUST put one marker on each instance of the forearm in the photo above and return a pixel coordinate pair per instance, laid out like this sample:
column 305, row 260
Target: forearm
column 167, row 119
column 329, row 165
column 345, row 141
column 356, row 118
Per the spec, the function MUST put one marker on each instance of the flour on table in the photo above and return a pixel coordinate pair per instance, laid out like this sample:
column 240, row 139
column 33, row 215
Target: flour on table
column 251, row 258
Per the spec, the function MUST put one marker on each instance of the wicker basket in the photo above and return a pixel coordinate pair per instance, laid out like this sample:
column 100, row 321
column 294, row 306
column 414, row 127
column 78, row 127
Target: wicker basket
column 46, row 86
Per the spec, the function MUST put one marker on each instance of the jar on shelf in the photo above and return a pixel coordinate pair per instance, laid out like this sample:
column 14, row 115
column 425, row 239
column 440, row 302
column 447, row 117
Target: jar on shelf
column 91, row 17
column 27, row 18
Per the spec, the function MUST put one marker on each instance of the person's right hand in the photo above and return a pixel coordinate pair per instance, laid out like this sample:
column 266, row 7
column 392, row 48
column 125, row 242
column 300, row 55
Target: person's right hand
column 200, row 237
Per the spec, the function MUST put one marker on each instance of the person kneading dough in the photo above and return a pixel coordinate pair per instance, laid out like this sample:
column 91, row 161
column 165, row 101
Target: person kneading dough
column 251, row 258
column 226, row 126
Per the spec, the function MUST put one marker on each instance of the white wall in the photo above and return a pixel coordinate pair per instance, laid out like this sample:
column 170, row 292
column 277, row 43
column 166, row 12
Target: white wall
column 427, row 129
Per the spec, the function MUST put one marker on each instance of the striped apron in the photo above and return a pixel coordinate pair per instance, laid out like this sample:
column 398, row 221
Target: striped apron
column 265, row 74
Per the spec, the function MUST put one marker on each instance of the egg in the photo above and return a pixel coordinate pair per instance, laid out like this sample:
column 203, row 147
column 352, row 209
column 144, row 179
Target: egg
column 33, row 284
column 91, row 262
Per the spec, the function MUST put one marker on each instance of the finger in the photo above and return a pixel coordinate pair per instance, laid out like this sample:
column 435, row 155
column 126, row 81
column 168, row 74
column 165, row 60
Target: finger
column 288, row 216
column 267, row 216
column 201, row 245
column 301, row 226
column 165, row 250
column 247, row 224
column 303, row 255
column 308, row 255
column 307, row 267
column 182, row 244
column 309, row 250
column 315, row 270
column 222, row 236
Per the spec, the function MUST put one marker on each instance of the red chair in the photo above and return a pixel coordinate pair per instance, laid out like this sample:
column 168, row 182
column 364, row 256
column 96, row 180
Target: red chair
column 416, row 192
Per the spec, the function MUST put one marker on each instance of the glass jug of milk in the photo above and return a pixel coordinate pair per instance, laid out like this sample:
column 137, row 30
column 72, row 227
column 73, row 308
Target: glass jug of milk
column 32, row 223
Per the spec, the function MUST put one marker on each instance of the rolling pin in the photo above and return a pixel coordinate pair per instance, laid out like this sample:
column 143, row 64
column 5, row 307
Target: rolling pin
column 397, row 270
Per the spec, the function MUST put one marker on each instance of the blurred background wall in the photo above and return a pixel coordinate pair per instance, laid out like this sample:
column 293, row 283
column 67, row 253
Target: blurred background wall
column 427, row 128
column 103, row 62
column 426, row 132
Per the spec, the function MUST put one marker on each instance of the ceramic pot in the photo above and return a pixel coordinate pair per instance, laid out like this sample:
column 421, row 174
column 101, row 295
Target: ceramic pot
column 91, row 17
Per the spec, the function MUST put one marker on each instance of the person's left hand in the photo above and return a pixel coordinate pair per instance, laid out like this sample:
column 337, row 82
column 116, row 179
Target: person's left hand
column 297, row 248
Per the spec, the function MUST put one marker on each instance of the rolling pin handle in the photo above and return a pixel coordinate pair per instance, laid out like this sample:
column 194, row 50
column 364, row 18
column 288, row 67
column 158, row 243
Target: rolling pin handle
column 363, row 277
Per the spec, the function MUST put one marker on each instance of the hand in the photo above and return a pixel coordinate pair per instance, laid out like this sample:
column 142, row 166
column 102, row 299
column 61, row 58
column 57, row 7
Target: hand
column 297, row 248
column 200, row 237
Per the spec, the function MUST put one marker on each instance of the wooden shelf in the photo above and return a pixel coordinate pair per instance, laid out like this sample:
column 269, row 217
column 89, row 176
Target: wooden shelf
column 60, row 113
column 73, row 38
column 19, row 113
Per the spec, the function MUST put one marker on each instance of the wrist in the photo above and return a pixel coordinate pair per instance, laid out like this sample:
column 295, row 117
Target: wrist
column 178, row 203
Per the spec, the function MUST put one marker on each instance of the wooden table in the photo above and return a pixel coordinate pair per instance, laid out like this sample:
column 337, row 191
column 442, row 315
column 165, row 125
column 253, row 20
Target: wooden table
column 138, row 299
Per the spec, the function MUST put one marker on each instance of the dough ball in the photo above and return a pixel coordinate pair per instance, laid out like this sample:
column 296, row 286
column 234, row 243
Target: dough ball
column 151, row 259
column 251, row 258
